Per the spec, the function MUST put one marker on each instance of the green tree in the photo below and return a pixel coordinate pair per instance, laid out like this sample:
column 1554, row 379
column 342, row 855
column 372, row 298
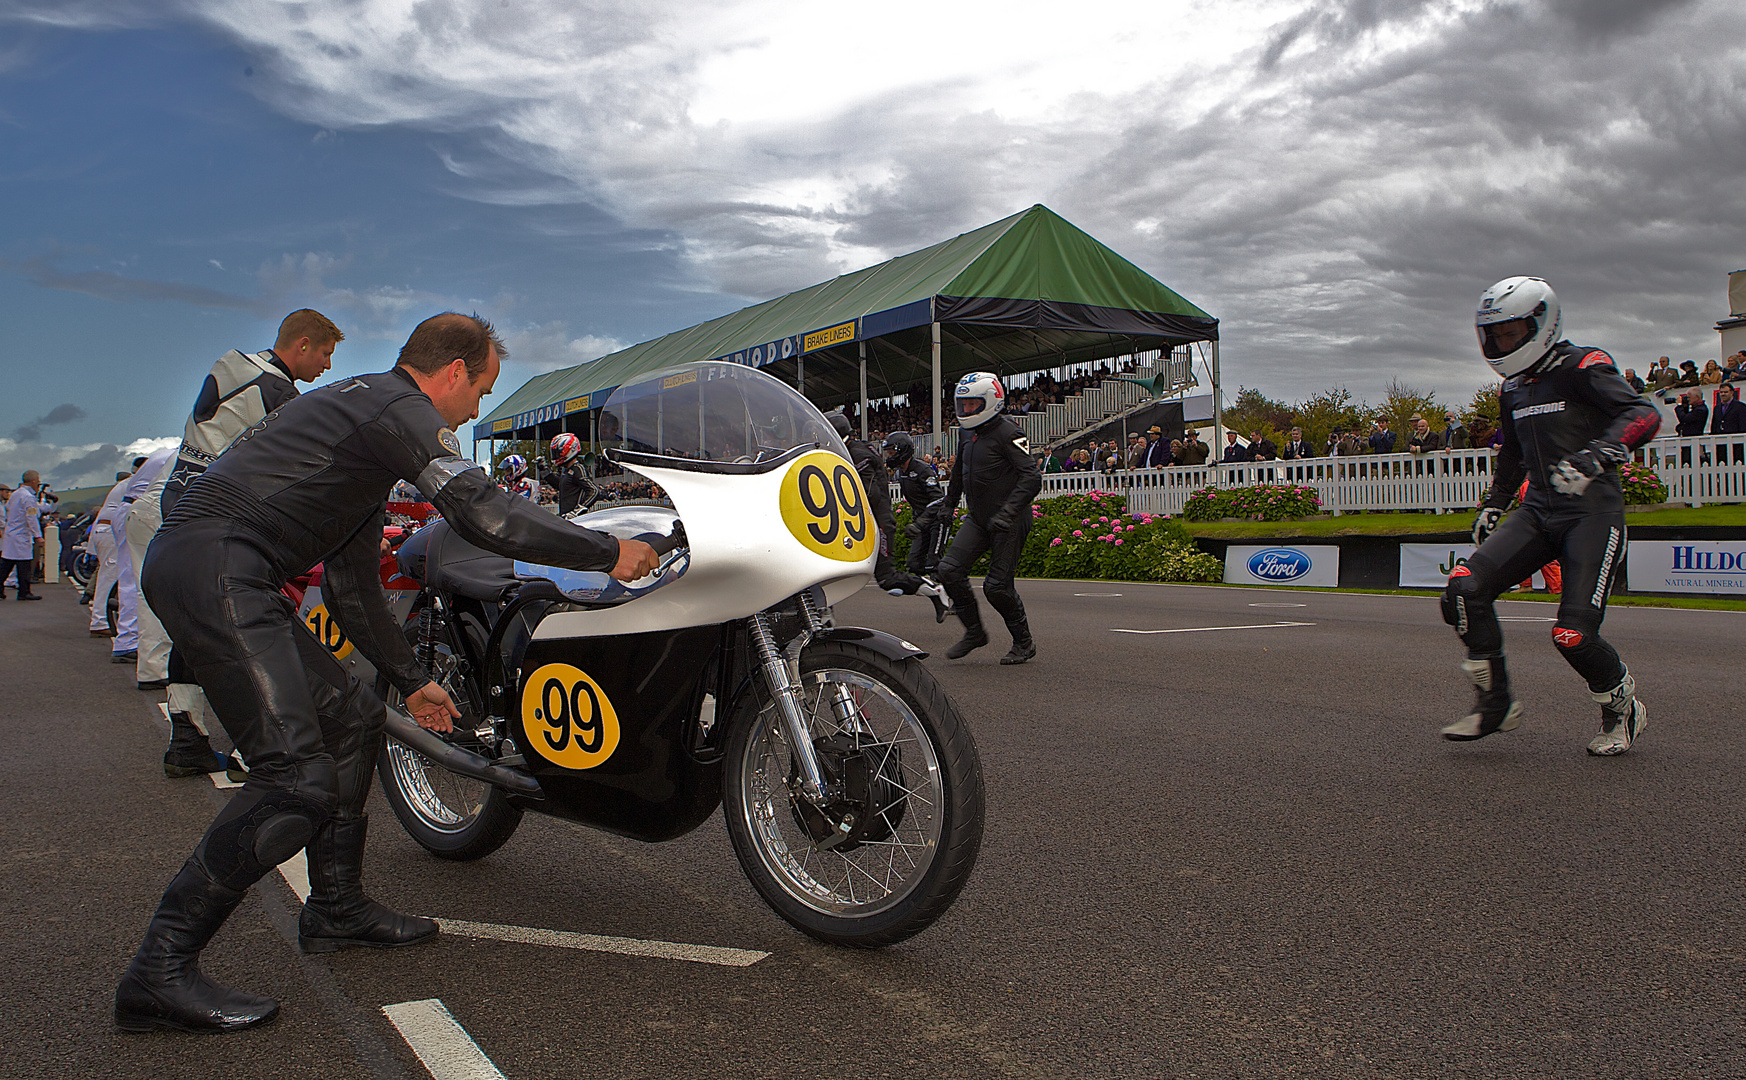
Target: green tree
column 1321, row 413
column 1400, row 403
column 1484, row 408
column 1254, row 411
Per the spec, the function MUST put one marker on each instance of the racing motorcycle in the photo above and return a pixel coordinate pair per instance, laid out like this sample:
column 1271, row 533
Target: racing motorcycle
column 851, row 786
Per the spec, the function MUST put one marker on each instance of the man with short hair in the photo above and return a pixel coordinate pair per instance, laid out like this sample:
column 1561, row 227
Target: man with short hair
column 1296, row 448
column 1729, row 415
column 1194, row 452
column 1631, row 378
column 1235, row 452
column 240, row 390
column 23, row 538
column 1262, row 449
column 1423, row 438
column 1663, row 375
column 307, row 485
column 1157, row 453
column 1382, row 440
column 1137, row 447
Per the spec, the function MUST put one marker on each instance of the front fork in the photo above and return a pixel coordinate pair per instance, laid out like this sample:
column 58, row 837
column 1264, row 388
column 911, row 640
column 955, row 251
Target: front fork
column 784, row 684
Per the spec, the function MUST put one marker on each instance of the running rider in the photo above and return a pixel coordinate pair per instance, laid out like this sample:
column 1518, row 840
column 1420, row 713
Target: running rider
column 1568, row 421
column 871, row 468
column 575, row 490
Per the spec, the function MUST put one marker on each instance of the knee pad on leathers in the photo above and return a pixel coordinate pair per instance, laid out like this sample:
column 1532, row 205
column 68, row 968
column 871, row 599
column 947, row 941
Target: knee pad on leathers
column 1467, row 607
column 241, row 848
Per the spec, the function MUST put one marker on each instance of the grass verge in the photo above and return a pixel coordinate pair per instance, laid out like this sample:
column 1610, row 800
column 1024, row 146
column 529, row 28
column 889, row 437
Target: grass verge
column 1408, row 524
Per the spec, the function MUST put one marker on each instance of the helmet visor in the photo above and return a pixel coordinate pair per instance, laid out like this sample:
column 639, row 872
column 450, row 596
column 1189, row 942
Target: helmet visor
column 970, row 406
column 1497, row 340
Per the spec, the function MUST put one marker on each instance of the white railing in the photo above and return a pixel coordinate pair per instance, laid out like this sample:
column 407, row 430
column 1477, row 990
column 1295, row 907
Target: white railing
column 1696, row 470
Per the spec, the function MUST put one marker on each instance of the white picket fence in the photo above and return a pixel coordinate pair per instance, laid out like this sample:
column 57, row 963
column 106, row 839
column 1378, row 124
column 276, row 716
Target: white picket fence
column 1696, row 470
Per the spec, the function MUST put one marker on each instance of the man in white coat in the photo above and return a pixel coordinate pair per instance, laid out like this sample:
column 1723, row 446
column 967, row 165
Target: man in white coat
column 23, row 536
column 141, row 517
column 115, row 571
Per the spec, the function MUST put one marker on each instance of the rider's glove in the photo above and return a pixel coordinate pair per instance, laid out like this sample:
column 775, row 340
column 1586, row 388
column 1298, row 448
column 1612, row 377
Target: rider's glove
column 1573, row 475
column 917, row 525
column 1483, row 525
column 1001, row 522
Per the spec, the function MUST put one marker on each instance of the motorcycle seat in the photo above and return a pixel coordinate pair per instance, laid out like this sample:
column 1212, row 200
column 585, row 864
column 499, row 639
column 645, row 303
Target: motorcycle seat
column 437, row 558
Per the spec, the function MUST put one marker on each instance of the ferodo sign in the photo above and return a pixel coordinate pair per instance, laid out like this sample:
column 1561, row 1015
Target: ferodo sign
column 1712, row 567
column 1317, row 566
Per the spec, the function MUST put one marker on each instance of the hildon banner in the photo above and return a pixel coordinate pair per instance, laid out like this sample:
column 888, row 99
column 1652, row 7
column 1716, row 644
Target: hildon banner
column 1427, row 566
column 1711, row 567
column 1317, row 566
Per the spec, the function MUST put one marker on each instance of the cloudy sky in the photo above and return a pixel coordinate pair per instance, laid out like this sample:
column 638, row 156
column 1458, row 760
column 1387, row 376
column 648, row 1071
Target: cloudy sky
column 1335, row 181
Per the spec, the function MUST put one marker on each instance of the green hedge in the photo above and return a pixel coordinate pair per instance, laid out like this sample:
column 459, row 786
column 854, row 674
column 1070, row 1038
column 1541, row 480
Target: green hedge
column 1641, row 486
column 1091, row 537
column 1257, row 502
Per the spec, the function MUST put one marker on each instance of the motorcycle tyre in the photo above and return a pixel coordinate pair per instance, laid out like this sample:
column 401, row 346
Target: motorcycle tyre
column 496, row 821
column 960, row 836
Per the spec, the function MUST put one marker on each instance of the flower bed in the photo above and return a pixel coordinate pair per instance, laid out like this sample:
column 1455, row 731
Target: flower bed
column 1642, row 487
column 1258, row 502
column 1091, row 537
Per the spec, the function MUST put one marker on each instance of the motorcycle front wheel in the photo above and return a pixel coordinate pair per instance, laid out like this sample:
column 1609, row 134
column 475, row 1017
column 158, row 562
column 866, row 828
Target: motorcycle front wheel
column 452, row 817
column 892, row 741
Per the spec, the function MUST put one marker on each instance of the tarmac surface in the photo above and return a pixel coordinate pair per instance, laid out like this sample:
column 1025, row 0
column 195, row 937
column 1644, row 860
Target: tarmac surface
column 1237, row 851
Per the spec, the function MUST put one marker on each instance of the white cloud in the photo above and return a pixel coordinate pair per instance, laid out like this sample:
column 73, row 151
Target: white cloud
column 68, row 467
column 543, row 347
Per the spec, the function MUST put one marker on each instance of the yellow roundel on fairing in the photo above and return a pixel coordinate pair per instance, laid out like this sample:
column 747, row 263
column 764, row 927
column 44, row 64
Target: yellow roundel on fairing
column 568, row 719
column 825, row 507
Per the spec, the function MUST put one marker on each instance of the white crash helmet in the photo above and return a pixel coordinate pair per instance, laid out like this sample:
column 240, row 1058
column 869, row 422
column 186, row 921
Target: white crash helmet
column 565, row 447
column 1518, row 324
column 978, row 399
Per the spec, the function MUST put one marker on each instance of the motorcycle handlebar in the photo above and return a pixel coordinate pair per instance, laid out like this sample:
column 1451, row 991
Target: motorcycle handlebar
column 665, row 544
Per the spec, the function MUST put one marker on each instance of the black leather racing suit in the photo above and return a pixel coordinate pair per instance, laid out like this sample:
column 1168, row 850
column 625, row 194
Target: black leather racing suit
column 1577, row 402
column 574, row 488
column 305, row 485
column 996, row 475
column 870, row 464
column 920, row 484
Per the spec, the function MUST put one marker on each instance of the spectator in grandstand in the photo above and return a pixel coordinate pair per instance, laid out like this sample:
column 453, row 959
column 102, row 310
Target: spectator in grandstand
column 1174, row 453
column 1631, row 378
column 1423, row 439
column 1734, row 368
column 1234, row 450
column 1691, row 412
column 1662, row 375
column 1137, row 446
column 1157, row 451
column 1730, row 413
column 1481, row 432
column 1712, row 375
column 1454, row 434
column 1382, row 440
column 1688, row 373
column 1261, row 449
column 1295, row 448
column 1194, row 452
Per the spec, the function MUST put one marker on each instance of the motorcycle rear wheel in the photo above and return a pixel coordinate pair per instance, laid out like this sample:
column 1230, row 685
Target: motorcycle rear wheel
column 907, row 869
column 450, row 816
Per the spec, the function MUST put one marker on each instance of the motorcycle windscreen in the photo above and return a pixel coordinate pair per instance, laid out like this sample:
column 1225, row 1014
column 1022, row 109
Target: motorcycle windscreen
column 713, row 412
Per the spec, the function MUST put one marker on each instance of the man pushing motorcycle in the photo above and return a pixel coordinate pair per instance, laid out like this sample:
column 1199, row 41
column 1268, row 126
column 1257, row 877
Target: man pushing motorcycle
column 305, row 485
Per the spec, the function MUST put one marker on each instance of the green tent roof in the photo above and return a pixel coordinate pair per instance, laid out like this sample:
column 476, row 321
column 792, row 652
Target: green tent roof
column 1027, row 292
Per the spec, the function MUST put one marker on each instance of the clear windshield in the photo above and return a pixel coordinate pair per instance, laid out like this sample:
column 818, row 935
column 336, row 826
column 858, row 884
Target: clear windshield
column 713, row 412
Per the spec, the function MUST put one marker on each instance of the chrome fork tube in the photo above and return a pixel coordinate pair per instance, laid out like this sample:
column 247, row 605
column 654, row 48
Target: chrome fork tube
column 842, row 702
column 787, row 694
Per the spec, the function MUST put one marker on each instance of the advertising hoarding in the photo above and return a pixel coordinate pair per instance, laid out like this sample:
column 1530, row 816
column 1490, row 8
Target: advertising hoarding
column 1317, row 566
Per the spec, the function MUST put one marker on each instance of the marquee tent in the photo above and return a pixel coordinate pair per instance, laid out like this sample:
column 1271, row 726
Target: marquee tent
column 1027, row 293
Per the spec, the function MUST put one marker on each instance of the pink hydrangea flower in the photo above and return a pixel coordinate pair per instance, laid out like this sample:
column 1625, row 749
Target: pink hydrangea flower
column 1118, row 543
column 1078, row 532
column 1055, row 542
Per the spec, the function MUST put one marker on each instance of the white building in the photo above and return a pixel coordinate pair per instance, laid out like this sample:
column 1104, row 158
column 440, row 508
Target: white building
column 1733, row 328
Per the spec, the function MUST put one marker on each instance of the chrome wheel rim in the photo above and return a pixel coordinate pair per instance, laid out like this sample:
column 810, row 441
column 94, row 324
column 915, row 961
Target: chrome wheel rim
column 879, row 873
column 441, row 800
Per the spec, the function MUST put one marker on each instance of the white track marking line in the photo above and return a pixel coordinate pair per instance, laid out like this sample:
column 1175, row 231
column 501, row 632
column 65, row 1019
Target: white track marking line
column 666, row 950
column 219, row 780
column 1525, row 618
column 295, row 871
column 1279, row 605
column 1202, row 629
column 441, row 1044
column 1097, row 594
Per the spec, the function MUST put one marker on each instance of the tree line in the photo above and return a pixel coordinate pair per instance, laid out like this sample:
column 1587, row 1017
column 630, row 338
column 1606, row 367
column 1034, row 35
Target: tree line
column 1335, row 409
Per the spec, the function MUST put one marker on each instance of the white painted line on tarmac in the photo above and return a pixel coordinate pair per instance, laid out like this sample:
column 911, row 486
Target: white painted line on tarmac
column 1203, row 629
column 1097, row 594
column 441, row 1044
column 1525, row 618
column 665, row 950
column 295, row 871
column 1279, row 605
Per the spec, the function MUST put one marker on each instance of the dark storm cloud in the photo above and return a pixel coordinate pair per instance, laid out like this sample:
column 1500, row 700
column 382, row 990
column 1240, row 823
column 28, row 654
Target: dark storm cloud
column 103, row 462
column 106, row 285
column 60, row 414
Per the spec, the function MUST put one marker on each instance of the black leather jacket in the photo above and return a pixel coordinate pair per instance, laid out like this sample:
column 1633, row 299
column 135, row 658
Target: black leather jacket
column 1579, row 401
column 307, row 484
column 920, row 484
column 993, row 472
column 870, row 463
column 574, row 487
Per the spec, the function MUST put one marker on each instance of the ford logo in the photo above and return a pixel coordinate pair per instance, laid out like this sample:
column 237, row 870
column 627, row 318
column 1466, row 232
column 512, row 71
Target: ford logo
column 1279, row 564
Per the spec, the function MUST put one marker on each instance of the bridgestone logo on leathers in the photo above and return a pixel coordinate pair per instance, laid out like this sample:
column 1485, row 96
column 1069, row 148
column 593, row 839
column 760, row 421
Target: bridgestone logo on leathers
column 1600, row 589
column 1536, row 410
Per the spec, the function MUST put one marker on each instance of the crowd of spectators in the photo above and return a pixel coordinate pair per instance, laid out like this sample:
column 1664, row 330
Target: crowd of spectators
column 916, row 416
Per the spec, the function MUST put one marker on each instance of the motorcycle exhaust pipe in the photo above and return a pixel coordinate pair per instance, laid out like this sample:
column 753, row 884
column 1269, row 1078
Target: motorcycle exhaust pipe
column 404, row 730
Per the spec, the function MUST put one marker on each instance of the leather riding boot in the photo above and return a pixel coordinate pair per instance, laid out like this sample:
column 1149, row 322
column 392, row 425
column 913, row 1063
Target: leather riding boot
column 1023, row 648
column 337, row 913
column 164, row 987
column 189, row 753
column 974, row 635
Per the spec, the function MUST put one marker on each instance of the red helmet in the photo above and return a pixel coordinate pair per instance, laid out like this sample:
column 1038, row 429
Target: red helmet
column 565, row 447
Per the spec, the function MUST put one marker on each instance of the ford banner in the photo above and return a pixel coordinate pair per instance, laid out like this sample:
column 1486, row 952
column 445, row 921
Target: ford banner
column 1317, row 566
column 1711, row 567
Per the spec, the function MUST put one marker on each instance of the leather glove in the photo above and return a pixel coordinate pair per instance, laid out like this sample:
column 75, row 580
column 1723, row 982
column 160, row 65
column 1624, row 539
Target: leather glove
column 917, row 525
column 1485, row 523
column 1000, row 522
column 1573, row 475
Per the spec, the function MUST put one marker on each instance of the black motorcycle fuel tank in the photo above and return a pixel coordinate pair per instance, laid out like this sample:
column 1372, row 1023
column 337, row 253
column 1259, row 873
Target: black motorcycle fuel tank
column 606, row 722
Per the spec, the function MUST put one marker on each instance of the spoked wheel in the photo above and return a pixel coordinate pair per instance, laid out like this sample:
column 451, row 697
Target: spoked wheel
column 84, row 569
column 450, row 816
column 888, row 856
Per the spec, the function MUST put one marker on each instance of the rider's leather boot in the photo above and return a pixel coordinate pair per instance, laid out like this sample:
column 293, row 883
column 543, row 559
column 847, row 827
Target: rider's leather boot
column 164, row 987
column 1023, row 648
column 974, row 636
column 337, row 913
column 189, row 754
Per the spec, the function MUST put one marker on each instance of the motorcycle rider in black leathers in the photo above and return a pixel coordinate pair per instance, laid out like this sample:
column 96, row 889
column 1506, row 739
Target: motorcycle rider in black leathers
column 1569, row 420
column 995, row 473
column 575, row 490
column 920, row 484
column 307, row 484
column 870, row 466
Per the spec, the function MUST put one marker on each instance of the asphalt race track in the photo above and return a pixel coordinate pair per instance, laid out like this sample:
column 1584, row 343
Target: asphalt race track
column 1238, row 851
